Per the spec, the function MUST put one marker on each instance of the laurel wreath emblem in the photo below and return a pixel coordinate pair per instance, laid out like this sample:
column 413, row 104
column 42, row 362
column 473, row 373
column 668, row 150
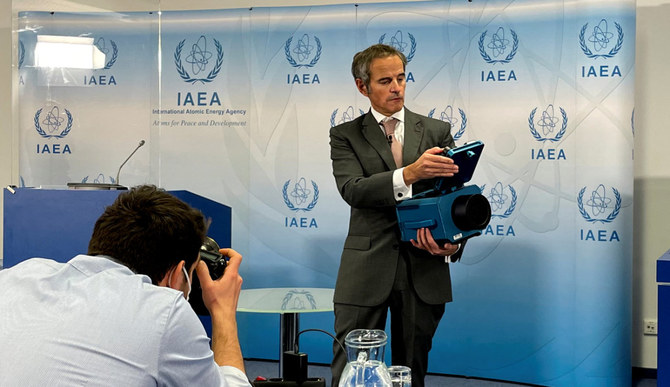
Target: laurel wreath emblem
column 62, row 134
column 610, row 217
column 289, row 57
column 464, row 123
column 334, row 116
column 536, row 135
column 290, row 205
column 512, row 205
column 613, row 51
column 22, row 53
column 115, row 55
column 212, row 74
column 412, row 49
column 508, row 58
column 289, row 296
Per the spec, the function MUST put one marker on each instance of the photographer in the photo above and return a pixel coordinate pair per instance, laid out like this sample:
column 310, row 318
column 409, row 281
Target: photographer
column 119, row 316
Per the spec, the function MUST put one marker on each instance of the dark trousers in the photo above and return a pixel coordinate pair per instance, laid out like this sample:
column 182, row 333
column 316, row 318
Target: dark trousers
column 413, row 324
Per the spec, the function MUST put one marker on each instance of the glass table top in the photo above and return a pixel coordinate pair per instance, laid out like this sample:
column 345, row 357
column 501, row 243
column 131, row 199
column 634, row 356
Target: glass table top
column 286, row 300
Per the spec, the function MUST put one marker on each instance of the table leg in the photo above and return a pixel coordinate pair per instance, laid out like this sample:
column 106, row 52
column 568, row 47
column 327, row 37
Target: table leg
column 288, row 332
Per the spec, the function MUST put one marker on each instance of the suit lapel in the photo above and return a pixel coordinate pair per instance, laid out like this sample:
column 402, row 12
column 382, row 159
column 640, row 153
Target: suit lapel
column 413, row 136
column 373, row 134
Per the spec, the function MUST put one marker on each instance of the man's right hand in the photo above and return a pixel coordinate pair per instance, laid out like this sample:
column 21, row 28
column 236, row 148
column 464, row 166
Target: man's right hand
column 430, row 164
column 222, row 295
column 220, row 298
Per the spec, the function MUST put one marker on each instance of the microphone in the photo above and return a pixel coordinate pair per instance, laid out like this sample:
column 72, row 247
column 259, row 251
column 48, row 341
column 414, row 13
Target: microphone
column 389, row 138
column 124, row 163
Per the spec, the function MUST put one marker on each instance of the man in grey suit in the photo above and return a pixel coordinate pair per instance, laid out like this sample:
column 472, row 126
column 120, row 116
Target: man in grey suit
column 377, row 271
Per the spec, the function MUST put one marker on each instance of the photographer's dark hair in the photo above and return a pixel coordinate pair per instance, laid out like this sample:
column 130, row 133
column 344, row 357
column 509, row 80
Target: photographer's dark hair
column 150, row 231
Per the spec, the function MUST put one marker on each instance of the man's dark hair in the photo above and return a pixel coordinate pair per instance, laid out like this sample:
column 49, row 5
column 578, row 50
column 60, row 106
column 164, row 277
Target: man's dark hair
column 150, row 231
column 360, row 67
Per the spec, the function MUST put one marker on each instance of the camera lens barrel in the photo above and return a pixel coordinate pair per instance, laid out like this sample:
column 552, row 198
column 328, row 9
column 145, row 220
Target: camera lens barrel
column 471, row 212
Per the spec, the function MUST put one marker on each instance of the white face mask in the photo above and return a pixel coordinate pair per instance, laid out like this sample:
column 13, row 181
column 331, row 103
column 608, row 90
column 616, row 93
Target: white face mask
column 188, row 281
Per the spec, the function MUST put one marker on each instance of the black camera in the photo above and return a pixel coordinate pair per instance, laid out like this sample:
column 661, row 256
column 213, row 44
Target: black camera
column 216, row 263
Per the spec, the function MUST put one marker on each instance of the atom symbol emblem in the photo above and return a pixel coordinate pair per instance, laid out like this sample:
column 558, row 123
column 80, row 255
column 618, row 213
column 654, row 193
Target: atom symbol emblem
column 599, row 202
column 53, row 120
column 398, row 42
column 600, row 39
column 447, row 115
column 498, row 43
column 300, row 191
column 304, row 48
column 199, row 57
column 300, row 195
column 53, row 123
column 497, row 197
column 548, row 120
column 347, row 115
column 102, row 46
column 601, row 36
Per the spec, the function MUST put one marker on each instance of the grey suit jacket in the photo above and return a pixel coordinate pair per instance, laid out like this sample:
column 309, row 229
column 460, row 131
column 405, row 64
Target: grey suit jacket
column 363, row 168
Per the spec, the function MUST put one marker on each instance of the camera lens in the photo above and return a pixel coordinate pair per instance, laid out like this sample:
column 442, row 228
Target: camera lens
column 471, row 212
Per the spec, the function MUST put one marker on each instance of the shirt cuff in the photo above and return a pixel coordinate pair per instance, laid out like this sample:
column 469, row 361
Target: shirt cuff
column 400, row 190
column 447, row 258
column 233, row 377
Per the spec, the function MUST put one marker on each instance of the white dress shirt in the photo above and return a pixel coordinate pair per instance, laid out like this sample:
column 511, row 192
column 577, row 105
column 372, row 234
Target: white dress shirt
column 92, row 321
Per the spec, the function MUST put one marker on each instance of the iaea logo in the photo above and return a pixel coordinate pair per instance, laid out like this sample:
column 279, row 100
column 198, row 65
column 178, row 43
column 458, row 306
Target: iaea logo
column 303, row 49
column 599, row 204
column 57, row 124
column 502, row 204
column 298, row 300
column 498, row 45
column 102, row 46
column 22, row 53
column 600, row 39
column 300, row 195
column 199, row 59
column 346, row 116
column 400, row 43
column 548, row 123
column 447, row 115
column 100, row 179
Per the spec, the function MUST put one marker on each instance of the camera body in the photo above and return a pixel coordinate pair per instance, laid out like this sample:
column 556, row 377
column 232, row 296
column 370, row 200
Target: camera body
column 216, row 263
column 451, row 211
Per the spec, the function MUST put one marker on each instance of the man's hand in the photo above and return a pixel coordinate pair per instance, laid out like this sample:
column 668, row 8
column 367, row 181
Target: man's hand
column 424, row 240
column 430, row 164
column 220, row 298
column 222, row 294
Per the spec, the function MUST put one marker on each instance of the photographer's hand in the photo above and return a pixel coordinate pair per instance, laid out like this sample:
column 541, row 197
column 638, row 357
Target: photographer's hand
column 220, row 298
column 430, row 164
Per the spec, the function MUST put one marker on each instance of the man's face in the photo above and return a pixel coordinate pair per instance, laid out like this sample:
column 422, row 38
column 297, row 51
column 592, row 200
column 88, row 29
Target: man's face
column 387, row 85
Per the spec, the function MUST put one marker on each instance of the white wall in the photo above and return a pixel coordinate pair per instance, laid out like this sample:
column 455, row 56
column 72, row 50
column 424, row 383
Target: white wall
column 652, row 118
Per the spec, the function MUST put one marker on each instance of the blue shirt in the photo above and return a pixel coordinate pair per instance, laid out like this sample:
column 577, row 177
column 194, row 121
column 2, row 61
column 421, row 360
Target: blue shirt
column 92, row 321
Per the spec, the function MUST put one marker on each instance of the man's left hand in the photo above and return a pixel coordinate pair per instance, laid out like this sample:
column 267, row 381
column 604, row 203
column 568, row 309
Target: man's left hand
column 424, row 240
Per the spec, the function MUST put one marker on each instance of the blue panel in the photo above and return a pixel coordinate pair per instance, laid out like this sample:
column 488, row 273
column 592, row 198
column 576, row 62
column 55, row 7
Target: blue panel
column 663, row 268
